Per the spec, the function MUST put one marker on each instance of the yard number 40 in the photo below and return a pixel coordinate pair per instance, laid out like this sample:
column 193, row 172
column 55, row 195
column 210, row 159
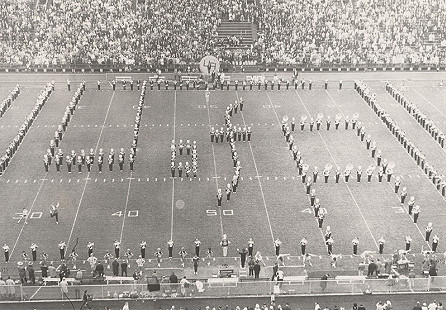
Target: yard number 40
column 133, row 213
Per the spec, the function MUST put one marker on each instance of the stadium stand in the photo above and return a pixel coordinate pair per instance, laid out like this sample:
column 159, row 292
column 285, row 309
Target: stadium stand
column 164, row 32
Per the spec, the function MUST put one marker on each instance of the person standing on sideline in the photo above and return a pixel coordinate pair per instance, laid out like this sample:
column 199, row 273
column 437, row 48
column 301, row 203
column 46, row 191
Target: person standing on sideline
column 6, row 252
column 355, row 243
column 243, row 252
column 143, row 246
column 408, row 242
column 195, row 261
column 107, row 258
column 435, row 240
column 257, row 269
column 158, row 255
column 64, row 286
column 197, row 247
column 115, row 267
column 224, row 245
column 277, row 244
column 303, row 245
column 73, row 257
column 33, row 248
column 250, row 246
column 117, row 246
column 126, row 306
column 428, row 230
column 62, row 248
column 85, row 299
column 381, row 243
column 170, row 248
column 54, row 212
column 183, row 255
column 90, row 246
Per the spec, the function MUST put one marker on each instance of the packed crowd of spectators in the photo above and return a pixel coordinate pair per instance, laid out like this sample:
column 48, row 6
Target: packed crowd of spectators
column 369, row 31
column 159, row 32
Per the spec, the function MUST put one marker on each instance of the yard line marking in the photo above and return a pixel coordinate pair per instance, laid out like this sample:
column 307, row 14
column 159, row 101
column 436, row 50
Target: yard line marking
column 334, row 161
column 126, row 205
column 86, row 181
column 29, row 212
column 278, row 121
column 397, row 197
column 258, row 178
column 215, row 167
column 173, row 179
column 430, row 103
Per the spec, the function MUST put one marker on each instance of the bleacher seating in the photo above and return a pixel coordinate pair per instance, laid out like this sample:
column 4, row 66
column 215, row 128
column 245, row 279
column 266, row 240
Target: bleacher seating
column 305, row 32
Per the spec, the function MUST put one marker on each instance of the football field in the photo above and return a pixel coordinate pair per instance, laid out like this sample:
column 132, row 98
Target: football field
column 271, row 201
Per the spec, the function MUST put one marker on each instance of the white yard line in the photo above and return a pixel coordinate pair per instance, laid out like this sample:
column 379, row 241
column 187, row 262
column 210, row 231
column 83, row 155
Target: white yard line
column 29, row 213
column 88, row 175
column 37, row 195
column 215, row 167
column 334, row 161
column 125, row 208
column 173, row 179
column 258, row 179
column 279, row 124
column 397, row 197
column 425, row 99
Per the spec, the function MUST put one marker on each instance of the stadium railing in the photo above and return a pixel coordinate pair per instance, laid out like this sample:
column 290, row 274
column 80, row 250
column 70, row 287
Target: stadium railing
column 234, row 289
column 260, row 67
